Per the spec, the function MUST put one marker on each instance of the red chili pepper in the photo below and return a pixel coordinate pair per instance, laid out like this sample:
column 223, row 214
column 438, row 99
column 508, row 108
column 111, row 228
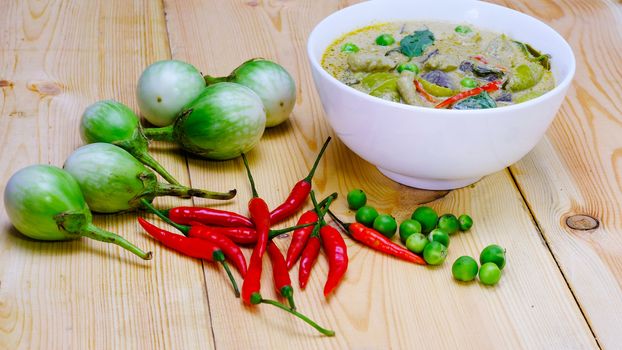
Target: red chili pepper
column 337, row 253
column 193, row 247
column 377, row 241
column 231, row 250
column 282, row 282
column 300, row 238
column 260, row 215
column 247, row 235
column 239, row 235
column 308, row 259
column 298, row 194
column 480, row 58
column 243, row 235
column 208, row 216
column 490, row 87
column 424, row 93
column 312, row 249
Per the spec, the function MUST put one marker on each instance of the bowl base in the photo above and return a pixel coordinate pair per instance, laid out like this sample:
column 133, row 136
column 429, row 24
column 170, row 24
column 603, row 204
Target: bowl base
column 426, row 183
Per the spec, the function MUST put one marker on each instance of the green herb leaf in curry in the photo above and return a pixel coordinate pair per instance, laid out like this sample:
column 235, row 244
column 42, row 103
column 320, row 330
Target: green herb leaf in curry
column 413, row 45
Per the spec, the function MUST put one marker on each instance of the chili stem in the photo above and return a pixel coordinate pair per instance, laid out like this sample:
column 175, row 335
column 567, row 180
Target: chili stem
column 236, row 290
column 314, row 201
column 182, row 228
column 290, row 300
column 332, row 196
column 320, row 214
column 318, row 209
column 323, row 203
column 326, row 332
column 275, row 233
column 250, row 176
column 343, row 225
column 317, row 160
column 220, row 257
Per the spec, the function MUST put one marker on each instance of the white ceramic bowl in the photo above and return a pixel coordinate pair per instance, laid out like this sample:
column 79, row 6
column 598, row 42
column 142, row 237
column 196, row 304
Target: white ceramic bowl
column 438, row 148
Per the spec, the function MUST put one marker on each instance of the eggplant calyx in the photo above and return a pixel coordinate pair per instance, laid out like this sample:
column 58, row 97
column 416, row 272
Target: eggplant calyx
column 71, row 223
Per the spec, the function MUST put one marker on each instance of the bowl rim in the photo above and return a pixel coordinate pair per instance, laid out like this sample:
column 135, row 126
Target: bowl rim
column 559, row 87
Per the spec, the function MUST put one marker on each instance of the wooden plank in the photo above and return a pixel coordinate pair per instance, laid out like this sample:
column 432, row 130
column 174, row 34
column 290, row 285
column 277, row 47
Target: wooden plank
column 382, row 303
column 577, row 168
column 57, row 57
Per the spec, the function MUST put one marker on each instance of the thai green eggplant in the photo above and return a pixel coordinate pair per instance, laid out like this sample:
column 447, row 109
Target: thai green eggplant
column 113, row 122
column 45, row 202
column 224, row 121
column 271, row 82
column 113, row 181
column 165, row 87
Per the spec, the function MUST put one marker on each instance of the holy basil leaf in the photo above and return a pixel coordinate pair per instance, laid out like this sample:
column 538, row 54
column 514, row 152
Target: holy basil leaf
column 414, row 44
column 481, row 101
column 487, row 73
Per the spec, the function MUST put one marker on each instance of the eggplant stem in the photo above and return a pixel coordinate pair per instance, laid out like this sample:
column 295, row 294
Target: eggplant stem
column 165, row 189
column 209, row 80
column 149, row 161
column 160, row 134
column 343, row 225
column 98, row 234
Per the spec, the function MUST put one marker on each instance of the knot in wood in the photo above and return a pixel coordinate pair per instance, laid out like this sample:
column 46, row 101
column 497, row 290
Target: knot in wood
column 5, row 83
column 582, row 222
column 45, row 87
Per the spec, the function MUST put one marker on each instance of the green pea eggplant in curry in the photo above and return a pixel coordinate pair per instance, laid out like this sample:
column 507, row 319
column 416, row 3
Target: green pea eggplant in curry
column 441, row 65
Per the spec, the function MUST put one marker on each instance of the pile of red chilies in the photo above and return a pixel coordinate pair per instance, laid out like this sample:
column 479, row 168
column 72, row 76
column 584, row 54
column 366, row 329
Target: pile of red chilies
column 214, row 235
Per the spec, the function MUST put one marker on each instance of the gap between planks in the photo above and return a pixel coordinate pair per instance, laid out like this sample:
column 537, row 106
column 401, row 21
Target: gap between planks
column 185, row 156
column 536, row 224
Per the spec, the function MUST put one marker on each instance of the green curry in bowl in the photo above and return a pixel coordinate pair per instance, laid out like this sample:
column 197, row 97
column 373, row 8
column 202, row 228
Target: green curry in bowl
column 441, row 65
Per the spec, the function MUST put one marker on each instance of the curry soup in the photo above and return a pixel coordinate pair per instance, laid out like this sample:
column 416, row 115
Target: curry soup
column 437, row 64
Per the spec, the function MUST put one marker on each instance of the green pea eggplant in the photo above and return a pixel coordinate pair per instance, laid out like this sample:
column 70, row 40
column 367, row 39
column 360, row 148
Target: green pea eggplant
column 113, row 122
column 113, row 181
column 45, row 203
column 224, row 121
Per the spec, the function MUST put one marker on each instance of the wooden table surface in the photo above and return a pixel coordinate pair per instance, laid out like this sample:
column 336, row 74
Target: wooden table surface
column 562, row 288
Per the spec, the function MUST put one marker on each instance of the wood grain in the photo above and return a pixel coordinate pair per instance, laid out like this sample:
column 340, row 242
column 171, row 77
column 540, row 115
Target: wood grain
column 577, row 169
column 382, row 303
column 56, row 58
